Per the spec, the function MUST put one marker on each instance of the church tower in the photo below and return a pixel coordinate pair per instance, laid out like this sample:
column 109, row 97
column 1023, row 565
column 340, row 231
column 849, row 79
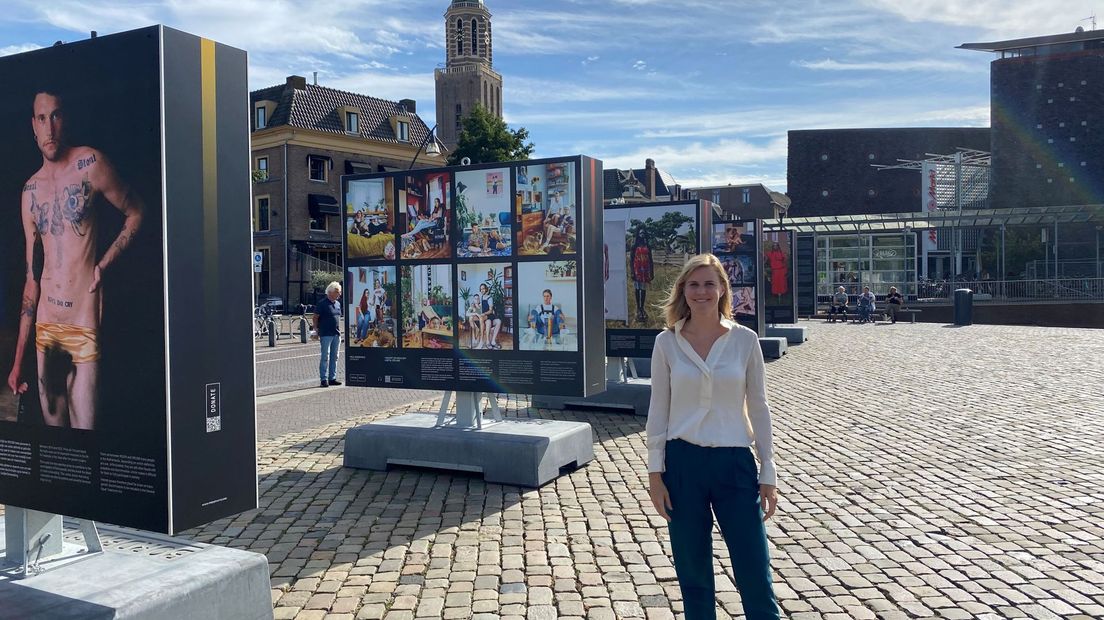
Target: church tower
column 467, row 78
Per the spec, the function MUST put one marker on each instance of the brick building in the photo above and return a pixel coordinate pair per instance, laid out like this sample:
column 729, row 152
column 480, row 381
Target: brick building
column 467, row 79
column 304, row 137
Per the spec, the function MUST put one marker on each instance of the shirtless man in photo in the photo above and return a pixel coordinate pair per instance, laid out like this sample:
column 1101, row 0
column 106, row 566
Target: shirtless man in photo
column 65, row 305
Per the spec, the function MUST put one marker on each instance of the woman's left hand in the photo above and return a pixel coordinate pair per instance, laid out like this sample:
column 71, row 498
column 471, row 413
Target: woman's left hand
column 768, row 499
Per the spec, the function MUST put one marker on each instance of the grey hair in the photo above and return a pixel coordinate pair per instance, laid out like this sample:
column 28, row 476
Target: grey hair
column 333, row 286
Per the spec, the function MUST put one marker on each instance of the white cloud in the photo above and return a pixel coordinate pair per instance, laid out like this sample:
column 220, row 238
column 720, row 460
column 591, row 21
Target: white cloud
column 640, row 65
column 18, row 49
column 829, row 64
column 1000, row 18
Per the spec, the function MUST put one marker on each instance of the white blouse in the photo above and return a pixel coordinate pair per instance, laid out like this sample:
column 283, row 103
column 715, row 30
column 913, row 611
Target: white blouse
column 717, row 402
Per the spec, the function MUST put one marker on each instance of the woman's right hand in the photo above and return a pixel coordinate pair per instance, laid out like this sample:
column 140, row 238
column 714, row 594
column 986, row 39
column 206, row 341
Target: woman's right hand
column 661, row 499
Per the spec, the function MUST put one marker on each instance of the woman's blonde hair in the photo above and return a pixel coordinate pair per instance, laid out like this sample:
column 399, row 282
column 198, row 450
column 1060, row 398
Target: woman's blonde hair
column 675, row 307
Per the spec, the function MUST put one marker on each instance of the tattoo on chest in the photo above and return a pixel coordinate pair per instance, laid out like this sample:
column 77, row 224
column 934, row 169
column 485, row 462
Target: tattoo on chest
column 71, row 207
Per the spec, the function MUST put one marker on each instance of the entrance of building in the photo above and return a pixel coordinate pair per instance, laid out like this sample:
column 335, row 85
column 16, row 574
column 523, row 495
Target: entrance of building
column 939, row 267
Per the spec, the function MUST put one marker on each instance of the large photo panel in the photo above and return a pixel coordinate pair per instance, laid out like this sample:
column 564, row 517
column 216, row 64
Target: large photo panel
column 737, row 244
column 646, row 246
column 780, row 305
column 473, row 309
column 82, row 347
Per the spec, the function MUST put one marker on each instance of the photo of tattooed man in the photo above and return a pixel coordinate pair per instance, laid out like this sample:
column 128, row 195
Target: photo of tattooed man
column 62, row 308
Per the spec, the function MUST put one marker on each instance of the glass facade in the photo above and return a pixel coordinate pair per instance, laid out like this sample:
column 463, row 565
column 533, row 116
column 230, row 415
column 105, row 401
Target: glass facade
column 875, row 260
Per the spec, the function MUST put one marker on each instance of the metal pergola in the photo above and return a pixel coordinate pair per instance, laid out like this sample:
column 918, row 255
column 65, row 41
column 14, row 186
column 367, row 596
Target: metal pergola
column 967, row 218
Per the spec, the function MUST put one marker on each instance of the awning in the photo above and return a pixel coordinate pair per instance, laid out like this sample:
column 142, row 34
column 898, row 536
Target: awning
column 977, row 218
column 358, row 167
column 321, row 204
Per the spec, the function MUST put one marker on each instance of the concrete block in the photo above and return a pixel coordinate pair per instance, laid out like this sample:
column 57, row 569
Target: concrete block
column 526, row 453
column 792, row 333
column 631, row 396
column 142, row 576
column 773, row 347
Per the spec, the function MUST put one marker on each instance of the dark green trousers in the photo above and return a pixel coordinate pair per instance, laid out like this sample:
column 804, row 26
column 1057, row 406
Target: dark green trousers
column 722, row 481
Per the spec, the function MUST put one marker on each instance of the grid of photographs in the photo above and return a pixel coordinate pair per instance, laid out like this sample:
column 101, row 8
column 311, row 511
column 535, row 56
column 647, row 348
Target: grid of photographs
column 476, row 260
column 734, row 244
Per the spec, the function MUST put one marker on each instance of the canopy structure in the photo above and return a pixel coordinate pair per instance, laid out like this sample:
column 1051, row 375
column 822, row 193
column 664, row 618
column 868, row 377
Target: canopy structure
column 977, row 218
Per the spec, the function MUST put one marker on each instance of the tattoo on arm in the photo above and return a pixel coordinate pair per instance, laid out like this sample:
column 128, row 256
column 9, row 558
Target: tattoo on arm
column 29, row 307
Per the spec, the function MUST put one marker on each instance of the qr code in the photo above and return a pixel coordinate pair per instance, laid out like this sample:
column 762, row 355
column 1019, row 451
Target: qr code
column 214, row 425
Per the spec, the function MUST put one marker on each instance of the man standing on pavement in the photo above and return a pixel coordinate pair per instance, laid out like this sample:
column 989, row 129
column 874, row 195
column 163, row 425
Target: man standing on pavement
column 62, row 307
column 327, row 316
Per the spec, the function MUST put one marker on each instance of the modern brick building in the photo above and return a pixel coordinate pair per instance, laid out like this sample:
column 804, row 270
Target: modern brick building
column 1047, row 113
column 304, row 137
column 831, row 171
column 467, row 78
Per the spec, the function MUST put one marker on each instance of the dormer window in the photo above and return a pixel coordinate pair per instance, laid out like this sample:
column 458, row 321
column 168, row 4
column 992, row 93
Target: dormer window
column 352, row 122
column 402, row 131
column 260, row 116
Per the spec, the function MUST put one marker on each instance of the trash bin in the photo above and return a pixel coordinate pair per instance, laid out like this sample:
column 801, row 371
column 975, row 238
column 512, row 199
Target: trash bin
column 963, row 307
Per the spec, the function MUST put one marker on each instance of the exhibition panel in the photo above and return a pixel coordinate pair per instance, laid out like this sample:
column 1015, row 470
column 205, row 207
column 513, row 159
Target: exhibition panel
column 129, row 392
column 470, row 277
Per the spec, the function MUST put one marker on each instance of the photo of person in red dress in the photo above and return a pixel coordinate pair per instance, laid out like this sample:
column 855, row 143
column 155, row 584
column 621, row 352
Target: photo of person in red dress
column 643, row 271
column 779, row 274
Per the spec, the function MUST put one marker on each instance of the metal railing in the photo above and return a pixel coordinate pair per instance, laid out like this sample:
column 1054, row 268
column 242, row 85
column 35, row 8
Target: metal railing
column 942, row 291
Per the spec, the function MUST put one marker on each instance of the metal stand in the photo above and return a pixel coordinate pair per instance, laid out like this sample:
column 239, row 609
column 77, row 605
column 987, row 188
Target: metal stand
column 469, row 409
column 32, row 537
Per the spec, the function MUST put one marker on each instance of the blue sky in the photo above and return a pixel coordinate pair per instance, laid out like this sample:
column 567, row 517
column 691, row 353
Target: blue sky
column 706, row 88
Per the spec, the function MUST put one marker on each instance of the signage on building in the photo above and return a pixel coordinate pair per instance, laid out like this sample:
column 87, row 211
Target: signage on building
column 929, row 200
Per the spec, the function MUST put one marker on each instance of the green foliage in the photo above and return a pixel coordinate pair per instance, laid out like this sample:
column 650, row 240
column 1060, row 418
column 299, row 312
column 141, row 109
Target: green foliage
column 321, row 279
column 485, row 138
column 664, row 232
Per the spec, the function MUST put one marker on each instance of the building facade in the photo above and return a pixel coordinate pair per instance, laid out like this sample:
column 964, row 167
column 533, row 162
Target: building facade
column 467, row 79
column 753, row 201
column 304, row 137
column 636, row 185
column 1047, row 112
column 832, row 171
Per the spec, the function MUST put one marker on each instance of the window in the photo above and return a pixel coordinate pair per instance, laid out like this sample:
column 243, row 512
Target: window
column 263, row 284
column 318, row 166
column 352, row 122
column 459, row 37
column 824, row 193
column 459, row 120
column 262, row 169
column 824, row 157
column 475, row 38
column 402, row 131
column 330, row 256
column 260, row 114
column 261, row 217
column 317, row 222
column 747, row 195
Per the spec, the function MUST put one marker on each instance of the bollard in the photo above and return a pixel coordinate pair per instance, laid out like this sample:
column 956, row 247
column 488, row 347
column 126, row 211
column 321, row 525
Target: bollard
column 303, row 332
column 271, row 333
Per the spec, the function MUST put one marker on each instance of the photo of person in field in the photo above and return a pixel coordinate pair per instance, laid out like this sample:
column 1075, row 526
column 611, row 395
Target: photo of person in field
column 657, row 241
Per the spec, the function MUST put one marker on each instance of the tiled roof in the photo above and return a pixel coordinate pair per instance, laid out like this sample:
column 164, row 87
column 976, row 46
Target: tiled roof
column 614, row 187
column 316, row 107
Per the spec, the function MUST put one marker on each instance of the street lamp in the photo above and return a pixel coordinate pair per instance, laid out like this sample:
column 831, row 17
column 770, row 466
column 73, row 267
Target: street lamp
column 432, row 149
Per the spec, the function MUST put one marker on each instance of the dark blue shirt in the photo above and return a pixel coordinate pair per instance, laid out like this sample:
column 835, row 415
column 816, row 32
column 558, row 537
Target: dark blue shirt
column 329, row 313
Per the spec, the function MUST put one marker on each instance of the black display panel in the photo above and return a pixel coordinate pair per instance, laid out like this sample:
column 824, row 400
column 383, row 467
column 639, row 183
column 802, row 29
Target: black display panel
column 102, row 246
column 736, row 244
column 474, row 278
column 644, row 248
column 779, row 277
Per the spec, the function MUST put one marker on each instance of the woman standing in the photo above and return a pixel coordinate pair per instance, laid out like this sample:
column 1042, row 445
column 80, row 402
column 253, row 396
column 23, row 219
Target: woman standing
column 643, row 271
column 708, row 407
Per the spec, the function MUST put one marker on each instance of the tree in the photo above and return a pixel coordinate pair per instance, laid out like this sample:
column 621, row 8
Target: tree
column 485, row 138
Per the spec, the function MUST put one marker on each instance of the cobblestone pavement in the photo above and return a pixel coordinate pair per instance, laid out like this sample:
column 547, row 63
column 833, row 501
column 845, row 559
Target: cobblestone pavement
column 927, row 471
column 290, row 365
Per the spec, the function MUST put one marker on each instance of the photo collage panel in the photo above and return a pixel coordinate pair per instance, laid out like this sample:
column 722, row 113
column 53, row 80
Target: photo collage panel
column 437, row 259
column 734, row 245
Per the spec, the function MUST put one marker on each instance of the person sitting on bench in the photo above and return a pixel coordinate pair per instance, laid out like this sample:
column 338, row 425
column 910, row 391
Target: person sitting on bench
column 838, row 306
column 866, row 306
column 894, row 301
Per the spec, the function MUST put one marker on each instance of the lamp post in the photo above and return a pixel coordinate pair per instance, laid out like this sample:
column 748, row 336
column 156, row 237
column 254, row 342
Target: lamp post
column 432, row 149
